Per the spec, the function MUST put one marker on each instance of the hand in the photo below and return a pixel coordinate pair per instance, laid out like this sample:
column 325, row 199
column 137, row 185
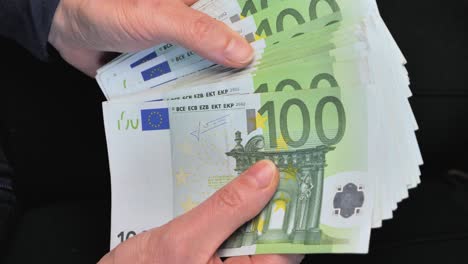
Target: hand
column 83, row 31
column 195, row 236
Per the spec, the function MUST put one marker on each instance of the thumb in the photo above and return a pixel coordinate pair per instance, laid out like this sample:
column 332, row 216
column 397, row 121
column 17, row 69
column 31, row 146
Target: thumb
column 217, row 218
column 204, row 35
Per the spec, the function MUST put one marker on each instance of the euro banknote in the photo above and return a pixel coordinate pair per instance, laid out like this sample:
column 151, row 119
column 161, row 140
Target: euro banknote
column 325, row 98
column 152, row 71
column 301, row 132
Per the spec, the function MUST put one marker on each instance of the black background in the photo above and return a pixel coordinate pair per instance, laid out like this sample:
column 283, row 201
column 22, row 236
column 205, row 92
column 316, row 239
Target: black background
column 52, row 132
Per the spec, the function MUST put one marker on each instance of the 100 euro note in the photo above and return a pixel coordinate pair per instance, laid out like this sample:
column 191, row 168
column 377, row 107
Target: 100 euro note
column 272, row 84
column 287, row 15
column 268, row 70
column 319, row 141
column 323, row 204
column 299, row 76
column 133, row 159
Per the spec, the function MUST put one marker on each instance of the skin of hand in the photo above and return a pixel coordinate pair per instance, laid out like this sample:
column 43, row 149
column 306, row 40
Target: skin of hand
column 84, row 32
column 195, row 236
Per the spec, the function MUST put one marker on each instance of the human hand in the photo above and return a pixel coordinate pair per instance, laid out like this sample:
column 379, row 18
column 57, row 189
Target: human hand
column 195, row 236
column 84, row 31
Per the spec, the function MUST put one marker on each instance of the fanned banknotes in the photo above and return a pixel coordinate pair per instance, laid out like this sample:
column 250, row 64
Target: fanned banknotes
column 326, row 99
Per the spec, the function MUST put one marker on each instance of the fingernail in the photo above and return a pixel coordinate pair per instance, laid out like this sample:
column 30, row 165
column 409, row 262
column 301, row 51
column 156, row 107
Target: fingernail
column 238, row 51
column 264, row 173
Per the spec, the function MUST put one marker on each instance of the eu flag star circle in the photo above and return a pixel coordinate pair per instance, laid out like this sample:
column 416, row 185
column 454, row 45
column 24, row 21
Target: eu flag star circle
column 155, row 119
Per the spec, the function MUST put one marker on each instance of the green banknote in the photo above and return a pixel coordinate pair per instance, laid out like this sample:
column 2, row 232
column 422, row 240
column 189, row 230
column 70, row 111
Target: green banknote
column 318, row 140
column 314, row 64
column 302, row 75
column 181, row 62
column 306, row 73
column 325, row 99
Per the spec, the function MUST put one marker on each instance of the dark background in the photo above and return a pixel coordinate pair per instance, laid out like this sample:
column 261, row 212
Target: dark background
column 52, row 132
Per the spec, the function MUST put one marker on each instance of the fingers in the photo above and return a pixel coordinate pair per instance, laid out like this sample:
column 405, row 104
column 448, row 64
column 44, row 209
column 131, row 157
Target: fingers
column 206, row 36
column 217, row 218
column 266, row 259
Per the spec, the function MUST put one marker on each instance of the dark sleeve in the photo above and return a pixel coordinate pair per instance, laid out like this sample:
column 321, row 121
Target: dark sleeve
column 28, row 23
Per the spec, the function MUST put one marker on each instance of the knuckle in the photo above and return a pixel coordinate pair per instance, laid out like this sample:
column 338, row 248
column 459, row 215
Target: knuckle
column 203, row 27
column 230, row 197
column 135, row 19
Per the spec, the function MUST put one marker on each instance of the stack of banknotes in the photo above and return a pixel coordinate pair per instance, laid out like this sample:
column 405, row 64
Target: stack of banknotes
column 326, row 99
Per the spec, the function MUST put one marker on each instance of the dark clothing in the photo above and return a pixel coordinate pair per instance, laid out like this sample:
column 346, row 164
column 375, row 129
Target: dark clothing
column 28, row 23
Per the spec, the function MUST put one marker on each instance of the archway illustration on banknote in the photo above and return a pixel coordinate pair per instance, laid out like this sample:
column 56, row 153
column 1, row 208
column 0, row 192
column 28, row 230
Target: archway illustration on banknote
column 293, row 215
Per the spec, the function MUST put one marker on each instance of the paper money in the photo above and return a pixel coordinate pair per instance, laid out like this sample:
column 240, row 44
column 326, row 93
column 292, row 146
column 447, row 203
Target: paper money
column 326, row 99
column 179, row 62
column 299, row 149
column 319, row 141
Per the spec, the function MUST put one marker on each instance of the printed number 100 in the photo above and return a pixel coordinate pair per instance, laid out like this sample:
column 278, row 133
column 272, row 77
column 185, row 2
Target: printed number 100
column 269, row 108
column 125, row 235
